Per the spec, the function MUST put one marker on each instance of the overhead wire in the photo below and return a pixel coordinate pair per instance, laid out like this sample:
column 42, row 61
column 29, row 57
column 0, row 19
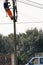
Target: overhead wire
column 27, row 3
column 35, row 2
column 32, row 5
column 29, row 22
column 22, row 22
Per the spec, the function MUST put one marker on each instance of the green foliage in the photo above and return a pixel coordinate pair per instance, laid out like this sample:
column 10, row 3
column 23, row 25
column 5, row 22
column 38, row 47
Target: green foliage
column 27, row 44
column 5, row 45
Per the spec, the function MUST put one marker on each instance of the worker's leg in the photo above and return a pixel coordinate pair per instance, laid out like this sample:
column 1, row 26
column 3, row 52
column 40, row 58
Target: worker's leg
column 9, row 13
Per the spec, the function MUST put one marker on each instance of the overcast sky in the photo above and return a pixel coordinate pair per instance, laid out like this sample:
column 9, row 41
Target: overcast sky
column 26, row 13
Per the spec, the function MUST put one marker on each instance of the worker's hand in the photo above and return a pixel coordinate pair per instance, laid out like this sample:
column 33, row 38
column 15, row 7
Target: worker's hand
column 9, row 4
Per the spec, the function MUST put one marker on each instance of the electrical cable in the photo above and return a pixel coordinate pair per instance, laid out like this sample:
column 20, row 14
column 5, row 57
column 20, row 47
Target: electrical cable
column 22, row 23
column 34, row 2
column 31, row 4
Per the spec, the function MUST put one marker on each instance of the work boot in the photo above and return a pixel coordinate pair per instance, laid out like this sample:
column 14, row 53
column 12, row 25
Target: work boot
column 12, row 18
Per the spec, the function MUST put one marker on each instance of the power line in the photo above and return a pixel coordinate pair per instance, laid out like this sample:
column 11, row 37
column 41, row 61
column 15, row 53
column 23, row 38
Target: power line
column 6, row 23
column 20, row 23
column 28, row 22
column 32, row 4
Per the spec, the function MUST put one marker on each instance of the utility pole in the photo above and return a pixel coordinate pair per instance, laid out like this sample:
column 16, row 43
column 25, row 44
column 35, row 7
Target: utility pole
column 14, row 22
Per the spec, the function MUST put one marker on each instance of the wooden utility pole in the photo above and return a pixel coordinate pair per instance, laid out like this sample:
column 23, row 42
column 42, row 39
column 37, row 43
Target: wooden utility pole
column 14, row 22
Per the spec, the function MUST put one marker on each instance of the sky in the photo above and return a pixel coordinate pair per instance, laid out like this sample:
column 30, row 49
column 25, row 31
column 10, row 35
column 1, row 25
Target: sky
column 29, row 17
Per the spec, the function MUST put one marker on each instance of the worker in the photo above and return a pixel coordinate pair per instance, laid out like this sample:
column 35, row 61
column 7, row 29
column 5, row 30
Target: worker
column 7, row 9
